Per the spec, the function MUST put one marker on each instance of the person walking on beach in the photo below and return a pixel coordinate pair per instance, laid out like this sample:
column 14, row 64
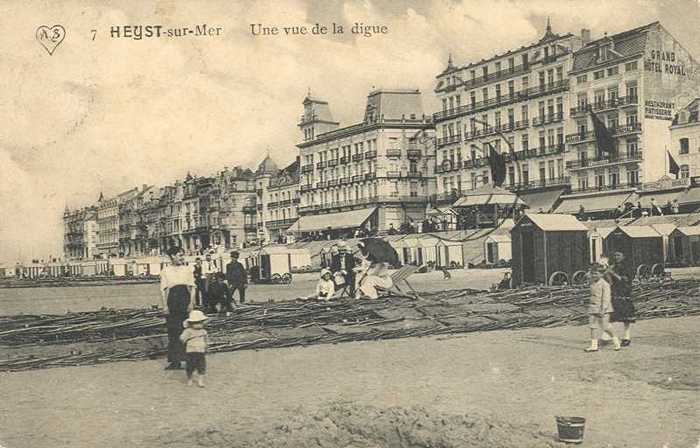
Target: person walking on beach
column 620, row 279
column 599, row 309
column 236, row 277
column 198, row 281
column 194, row 339
column 178, row 290
column 209, row 269
column 219, row 294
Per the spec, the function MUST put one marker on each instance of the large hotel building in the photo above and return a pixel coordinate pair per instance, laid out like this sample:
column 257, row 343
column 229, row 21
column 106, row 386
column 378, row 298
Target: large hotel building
column 517, row 101
column 373, row 174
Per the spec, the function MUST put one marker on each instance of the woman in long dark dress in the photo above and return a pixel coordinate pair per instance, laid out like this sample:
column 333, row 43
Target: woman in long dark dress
column 178, row 293
column 620, row 278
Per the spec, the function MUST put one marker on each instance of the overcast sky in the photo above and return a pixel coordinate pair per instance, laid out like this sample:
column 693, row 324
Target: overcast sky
column 109, row 114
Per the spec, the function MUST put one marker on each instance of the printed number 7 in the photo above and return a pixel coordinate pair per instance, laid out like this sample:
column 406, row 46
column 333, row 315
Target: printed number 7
column 94, row 33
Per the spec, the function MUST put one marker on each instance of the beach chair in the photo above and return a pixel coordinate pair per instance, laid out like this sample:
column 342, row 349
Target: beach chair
column 401, row 276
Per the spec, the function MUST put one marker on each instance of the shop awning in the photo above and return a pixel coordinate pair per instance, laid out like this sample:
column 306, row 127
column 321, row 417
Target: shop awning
column 545, row 200
column 441, row 211
column 488, row 195
column 689, row 230
column 692, row 196
column 341, row 220
column 597, row 203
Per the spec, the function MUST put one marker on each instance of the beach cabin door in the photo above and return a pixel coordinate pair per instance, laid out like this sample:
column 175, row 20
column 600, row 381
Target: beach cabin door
column 492, row 252
column 527, row 255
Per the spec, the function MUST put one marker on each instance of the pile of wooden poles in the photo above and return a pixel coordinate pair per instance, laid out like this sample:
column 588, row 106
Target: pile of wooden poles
column 140, row 334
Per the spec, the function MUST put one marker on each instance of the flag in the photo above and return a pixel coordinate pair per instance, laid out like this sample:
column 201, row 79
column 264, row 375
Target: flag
column 673, row 167
column 603, row 137
column 498, row 166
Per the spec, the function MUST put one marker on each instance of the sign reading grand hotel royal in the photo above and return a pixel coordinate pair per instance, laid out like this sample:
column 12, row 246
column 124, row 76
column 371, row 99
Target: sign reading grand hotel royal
column 670, row 77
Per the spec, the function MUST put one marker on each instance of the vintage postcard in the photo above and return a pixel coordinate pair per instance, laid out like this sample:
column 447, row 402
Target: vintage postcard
column 350, row 223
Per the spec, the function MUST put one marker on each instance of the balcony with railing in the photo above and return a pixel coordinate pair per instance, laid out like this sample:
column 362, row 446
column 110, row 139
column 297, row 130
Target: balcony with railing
column 344, row 160
column 580, row 137
column 304, row 188
column 321, row 164
column 358, row 157
column 548, row 119
column 321, row 184
column 490, row 77
column 631, row 128
column 371, row 200
column 333, row 182
column 543, row 183
column 393, row 174
column 393, row 152
column 307, row 168
column 450, row 139
column 502, row 100
column 332, row 162
column 597, row 163
column 595, row 188
column 371, row 154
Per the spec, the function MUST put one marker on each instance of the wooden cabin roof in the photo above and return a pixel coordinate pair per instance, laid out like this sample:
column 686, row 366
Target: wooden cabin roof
column 554, row 222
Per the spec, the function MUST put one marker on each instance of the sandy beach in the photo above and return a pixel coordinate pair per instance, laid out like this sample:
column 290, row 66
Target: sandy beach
column 523, row 377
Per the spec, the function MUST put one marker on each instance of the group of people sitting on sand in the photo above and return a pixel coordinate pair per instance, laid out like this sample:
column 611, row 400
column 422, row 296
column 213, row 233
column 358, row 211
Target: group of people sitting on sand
column 354, row 275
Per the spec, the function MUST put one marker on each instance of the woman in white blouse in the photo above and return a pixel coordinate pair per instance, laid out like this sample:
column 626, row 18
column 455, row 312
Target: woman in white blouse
column 178, row 294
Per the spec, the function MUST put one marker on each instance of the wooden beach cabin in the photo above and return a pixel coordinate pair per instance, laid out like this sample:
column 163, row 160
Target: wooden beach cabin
column 598, row 247
column 548, row 248
column 642, row 246
column 684, row 245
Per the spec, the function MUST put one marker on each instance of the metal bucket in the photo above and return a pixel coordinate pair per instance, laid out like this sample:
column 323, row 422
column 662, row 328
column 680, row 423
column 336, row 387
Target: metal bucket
column 571, row 429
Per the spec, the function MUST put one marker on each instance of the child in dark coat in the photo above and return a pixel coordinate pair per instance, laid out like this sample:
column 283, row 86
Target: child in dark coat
column 219, row 294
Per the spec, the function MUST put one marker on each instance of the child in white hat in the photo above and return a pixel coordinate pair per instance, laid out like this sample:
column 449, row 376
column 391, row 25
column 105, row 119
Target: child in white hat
column 325, row 287
column 194, row 337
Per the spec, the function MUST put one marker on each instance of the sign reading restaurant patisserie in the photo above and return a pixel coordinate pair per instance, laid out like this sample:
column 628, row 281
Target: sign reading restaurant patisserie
column 659, row 110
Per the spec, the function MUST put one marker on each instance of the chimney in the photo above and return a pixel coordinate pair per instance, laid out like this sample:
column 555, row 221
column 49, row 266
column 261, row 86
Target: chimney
column 585, row 35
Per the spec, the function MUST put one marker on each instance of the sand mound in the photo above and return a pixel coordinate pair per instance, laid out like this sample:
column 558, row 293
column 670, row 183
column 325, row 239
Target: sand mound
column 347, row 425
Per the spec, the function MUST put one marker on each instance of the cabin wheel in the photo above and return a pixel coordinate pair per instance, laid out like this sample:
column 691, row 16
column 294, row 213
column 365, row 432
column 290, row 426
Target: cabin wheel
column 276, row 278
column 579, row 277
column 287, row 278
column 558, row 278
column 643, row 271
column 657, row 270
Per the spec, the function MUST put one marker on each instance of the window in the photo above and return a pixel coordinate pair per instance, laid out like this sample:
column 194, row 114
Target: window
column 541, row 110
column 633, row 177
column 560, row 107
column 498, row 67
column 599, row 99
column 614, row 179
column 542, row 80
column 583, row 183
column 497, row 119
column 511, row 64
column 600, row 181
column 511, row 118
column 632, row 118
column 543, row 171
column 631, row 89
column 511, row 88
column 452, row 103
column 613, row 71
column 685, row 172
column 550, row 109
column 511, row 175
column 550, row 168
column 560, row 73
column 525, row 142
column 523, row 113
column 543, row 143
column 600, row 74
column 526, row 173
column 685, row 146
column 631, row 66
column 580, row 79
column 444, row 104
column 472, row 98
column 550, row 77
column 525, row 83
column 560, row 138
column 414, row 189
column 525, row 61
column 582, row 101
column 613, row 95
column 485, row 71
column 485, row 94
column 498, row 92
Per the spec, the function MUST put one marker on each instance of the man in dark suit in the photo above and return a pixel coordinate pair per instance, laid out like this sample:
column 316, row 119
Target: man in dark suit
column 236, row 277
column 342, row 265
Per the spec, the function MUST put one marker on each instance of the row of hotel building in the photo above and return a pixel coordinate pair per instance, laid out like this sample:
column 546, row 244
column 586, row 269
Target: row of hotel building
column 399, row 164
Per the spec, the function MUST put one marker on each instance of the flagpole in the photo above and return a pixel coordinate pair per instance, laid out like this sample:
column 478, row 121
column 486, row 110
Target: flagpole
column 666, row 161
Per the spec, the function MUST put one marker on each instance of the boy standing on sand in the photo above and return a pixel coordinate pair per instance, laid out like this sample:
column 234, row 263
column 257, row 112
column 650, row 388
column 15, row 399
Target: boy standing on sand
column 600, row 308
column 195, row 341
